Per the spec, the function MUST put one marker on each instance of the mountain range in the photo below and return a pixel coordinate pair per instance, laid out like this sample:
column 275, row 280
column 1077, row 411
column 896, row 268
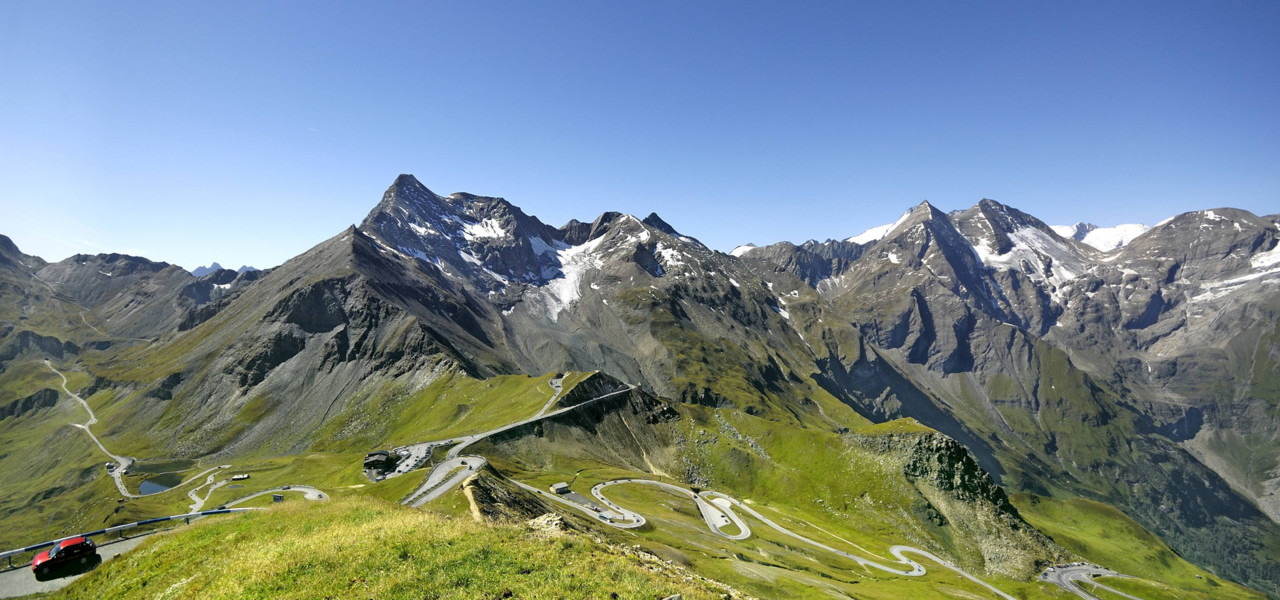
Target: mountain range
column 1134, row 367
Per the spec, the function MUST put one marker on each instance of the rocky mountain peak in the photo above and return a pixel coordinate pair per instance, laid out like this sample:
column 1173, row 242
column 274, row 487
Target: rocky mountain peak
column 995, row 226
column 407, row 182
column 201, row 271
column 9, row 252
column 483, row 241
column 1076, row 232
column 1105, row 239
column 656, row 222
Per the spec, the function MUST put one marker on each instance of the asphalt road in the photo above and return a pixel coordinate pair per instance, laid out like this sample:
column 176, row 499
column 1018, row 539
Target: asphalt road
column 444, row 477
column 21, row 581
column 723, row 505
column 439, row 480
column 1070, row 577
column 556, row 385
column 308, row 493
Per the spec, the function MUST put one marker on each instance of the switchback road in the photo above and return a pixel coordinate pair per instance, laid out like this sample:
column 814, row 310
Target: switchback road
column 1070, row 576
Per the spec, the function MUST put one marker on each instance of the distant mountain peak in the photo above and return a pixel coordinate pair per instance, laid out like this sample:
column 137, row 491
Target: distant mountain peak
column 1105, row 239
column 408, row 181
column 1075, row 232
column 202, row 271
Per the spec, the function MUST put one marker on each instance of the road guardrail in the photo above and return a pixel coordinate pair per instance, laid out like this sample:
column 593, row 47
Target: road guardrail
column 8, row 556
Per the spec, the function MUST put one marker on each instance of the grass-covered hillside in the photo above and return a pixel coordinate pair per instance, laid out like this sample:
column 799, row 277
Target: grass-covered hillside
column 1107, row 537
column 365, row 548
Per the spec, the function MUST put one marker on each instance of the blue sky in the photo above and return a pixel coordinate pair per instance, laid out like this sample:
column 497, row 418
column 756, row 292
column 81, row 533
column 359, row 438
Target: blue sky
column 246, row 132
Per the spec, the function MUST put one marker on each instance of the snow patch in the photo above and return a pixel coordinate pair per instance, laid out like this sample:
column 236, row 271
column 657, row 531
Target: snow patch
column 1263, row 260
column 782, row 311
column 1066, row 231
column 876, row 233
column 575, row 261
column 1267, row 263
column 743, row 249
column 1110, row 238
column 105, row 273
column 1105, row 239
column 1036, row 254
column 735, row 284
column 488, row 228
column 670, row 256
column 542, row 247
column 422, row 231
column 893, row 258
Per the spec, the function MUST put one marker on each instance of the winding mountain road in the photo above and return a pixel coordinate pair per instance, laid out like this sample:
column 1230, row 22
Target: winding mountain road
column 1069, row 578
column 717, row 509
column 713, row 505
column 197, row 502
column 122, row 462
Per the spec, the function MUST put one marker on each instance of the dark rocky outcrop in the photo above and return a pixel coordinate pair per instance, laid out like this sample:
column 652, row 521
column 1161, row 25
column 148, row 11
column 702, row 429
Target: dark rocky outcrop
column 45, row 398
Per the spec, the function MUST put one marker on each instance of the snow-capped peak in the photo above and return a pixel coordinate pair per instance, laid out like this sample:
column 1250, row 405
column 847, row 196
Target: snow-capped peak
column 1075, row 232
column 1102, row 238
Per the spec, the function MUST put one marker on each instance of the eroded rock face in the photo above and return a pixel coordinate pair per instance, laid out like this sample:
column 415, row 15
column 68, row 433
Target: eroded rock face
column 28, row 342
column 45, row 398
column 493, row 498
column 956, row 493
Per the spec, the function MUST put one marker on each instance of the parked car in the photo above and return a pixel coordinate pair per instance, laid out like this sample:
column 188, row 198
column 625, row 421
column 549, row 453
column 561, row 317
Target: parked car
column 76, row 550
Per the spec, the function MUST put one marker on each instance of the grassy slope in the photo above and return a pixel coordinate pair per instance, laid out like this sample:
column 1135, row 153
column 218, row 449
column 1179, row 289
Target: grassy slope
column 72, row 494
column 771, row 565
column 450, row 406
column 55, row 483
column 1106, row 536
column 809, row 478
column 859, row 502
column 366, row 548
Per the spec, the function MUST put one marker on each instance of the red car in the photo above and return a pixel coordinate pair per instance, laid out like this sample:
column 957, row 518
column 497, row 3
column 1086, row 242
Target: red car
column 76, row 550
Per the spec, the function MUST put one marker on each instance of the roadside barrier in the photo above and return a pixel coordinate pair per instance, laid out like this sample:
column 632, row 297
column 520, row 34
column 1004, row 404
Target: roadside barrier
column 186, row 517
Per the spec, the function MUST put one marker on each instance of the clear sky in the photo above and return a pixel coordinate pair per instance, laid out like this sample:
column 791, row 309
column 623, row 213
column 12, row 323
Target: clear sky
column 246, row 132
